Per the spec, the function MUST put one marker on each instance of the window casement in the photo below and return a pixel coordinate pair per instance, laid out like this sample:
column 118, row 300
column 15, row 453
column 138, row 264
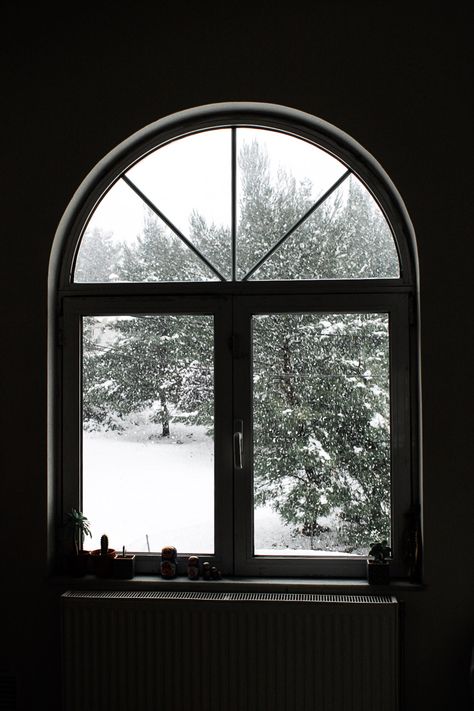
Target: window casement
column 234, row 309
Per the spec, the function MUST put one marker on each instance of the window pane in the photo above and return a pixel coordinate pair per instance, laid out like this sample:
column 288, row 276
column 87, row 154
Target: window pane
column 279, row 178
column 125, row 241
column 189, row 180
column 347, row 237
column 321, row 428
column 148, row 443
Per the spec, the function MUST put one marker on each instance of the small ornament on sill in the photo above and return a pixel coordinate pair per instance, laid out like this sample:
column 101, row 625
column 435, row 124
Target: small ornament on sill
column 215, row 574
column 210, row 572
column 168, row 566
column 193, row 567
column 378, row 569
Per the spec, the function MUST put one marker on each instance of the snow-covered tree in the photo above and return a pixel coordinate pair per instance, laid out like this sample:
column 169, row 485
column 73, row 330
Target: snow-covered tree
column 160, row 362
column 321, row 414
column 158, row 255
column 270, row 204
column 98, row 258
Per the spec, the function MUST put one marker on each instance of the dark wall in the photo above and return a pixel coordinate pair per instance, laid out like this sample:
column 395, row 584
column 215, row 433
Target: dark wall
column 400, row 83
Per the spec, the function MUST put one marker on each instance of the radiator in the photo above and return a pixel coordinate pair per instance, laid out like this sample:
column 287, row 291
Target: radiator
column 196, row 651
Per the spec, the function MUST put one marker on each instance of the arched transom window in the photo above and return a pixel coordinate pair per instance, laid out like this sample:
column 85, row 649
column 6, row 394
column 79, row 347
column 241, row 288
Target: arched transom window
column 237, row 204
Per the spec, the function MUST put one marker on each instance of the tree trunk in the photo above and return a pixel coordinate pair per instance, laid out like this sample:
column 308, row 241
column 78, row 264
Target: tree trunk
column 165, row 416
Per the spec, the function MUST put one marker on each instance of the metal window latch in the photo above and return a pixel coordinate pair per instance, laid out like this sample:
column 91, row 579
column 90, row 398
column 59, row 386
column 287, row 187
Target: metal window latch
column 238, row 444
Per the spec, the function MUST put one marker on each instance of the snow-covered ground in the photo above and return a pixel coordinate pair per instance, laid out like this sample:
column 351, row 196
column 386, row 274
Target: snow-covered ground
column 135, row 487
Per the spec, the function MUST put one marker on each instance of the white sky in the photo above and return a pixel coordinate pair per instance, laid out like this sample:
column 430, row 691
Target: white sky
column 194, row 172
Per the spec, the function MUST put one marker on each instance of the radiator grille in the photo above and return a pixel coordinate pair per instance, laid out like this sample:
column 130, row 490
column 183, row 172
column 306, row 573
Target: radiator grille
column 218, row 651
column 229, row 597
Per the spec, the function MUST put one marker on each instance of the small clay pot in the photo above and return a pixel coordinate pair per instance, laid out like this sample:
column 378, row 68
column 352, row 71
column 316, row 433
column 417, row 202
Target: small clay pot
column 102, row 565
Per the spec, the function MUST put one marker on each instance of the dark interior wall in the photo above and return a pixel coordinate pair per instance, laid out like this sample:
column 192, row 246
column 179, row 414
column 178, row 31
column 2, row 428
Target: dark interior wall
column 400, row 83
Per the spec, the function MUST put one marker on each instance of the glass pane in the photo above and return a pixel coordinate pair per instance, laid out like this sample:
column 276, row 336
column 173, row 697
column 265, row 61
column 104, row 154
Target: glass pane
column 321, row 428
column 125, row 241
column 148, row 442
column 189, row 180
column 279, row 178
column 347, row 237
column 117, row 220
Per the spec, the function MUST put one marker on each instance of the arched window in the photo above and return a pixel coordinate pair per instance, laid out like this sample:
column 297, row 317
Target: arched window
column 235, row 295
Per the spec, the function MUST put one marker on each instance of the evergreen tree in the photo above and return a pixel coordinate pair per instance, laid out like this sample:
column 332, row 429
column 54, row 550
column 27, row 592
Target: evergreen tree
column 98, row 258
column 268, row 207
column 213, row 241
column 160, row 362
column 321, row 441
column 160, row 256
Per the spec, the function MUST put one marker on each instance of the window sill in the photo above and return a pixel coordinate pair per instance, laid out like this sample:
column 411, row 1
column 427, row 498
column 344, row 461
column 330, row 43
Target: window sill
column 237, row 584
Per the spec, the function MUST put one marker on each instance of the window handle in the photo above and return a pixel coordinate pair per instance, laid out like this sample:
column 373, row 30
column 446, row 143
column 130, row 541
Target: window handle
column 238, row 444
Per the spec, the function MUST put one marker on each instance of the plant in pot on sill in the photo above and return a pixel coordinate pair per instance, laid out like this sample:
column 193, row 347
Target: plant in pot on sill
column 124, row 565
column 103, row 558
column 378, row 567
column 78, row 525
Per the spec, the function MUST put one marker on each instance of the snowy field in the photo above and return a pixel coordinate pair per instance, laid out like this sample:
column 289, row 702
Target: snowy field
column 135, row 487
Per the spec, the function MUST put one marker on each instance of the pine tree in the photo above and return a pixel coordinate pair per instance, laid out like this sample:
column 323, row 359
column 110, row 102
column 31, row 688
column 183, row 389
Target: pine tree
column 158, row 362
column 269, row 206
column 98, row 258
column 160, row 256
column 321, row 443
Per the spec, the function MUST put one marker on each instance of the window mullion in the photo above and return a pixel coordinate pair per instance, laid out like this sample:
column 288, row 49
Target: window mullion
column 243, row 497
column 223, row 469
column 234, row 203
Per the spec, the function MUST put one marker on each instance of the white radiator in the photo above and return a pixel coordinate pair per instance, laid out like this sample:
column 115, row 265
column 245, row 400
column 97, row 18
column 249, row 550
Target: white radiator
column 192, row 651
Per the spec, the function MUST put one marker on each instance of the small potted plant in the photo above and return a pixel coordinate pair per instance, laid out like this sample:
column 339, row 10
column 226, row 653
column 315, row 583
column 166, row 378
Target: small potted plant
column 78, row 525
column 102, row 558
column 124, row 565
column 378, row 568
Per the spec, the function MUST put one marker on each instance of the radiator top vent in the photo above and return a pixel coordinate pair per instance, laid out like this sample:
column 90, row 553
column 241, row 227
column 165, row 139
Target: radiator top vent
column 230, row 596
